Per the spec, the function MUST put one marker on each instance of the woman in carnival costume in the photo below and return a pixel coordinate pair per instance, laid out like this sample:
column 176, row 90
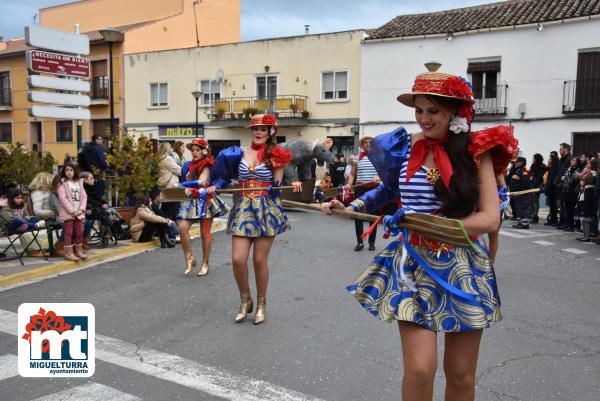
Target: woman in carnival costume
column 202, row 206
column 427, row 286
column 257, row 216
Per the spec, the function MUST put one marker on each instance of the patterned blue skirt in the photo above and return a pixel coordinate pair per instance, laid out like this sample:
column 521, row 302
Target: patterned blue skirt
column 382, row 292
column 190, row 210
column 259, row 216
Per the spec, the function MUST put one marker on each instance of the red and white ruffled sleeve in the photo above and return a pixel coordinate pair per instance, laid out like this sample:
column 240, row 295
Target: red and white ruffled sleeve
column 279, row 157
column 500, row 141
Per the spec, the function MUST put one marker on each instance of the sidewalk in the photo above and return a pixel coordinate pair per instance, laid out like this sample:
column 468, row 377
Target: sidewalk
column 13, row 274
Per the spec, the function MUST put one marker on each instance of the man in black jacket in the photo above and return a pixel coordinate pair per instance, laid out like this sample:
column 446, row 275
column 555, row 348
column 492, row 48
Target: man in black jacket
column 565, row 163
column 520, row 181
column 551, row 192
column 336, row 171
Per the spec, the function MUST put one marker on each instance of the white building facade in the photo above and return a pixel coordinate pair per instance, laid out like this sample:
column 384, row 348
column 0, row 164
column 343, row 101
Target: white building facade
column 542, row 77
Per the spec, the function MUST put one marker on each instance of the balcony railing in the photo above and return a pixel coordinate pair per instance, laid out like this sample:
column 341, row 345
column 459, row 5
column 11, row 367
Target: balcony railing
column 581, row 96
column 5, row 97
column 100, row 87
column 235, row 108
column 492, row 100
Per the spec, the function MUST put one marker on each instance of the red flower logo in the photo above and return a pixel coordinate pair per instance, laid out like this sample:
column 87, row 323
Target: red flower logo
column 44, row 321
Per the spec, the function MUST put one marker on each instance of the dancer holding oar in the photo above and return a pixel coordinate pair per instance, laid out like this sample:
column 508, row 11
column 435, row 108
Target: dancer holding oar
column 200, row 206
column 257, row 216
column 425, row 285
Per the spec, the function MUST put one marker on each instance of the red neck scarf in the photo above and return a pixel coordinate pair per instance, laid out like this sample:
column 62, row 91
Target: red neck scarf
column 198, row 165
column 362, row 154
column 419, row 152
column 261, row 151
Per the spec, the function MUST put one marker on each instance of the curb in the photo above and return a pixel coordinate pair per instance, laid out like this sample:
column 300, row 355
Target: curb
column 55, row 269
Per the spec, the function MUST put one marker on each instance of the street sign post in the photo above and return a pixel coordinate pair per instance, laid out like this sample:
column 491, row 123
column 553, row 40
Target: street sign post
column 59, row 98
column 60, row 64
column 61, row 113
column 51, row 39
column 40, row 81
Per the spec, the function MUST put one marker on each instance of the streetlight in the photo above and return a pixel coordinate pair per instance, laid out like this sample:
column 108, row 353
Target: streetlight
column 111, row 36
column 196, row 95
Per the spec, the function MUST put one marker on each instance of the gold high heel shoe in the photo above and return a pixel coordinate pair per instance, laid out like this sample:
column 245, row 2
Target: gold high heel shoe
column 261, row 306
column 190, row 263
column 203, row 268
column 246, row 306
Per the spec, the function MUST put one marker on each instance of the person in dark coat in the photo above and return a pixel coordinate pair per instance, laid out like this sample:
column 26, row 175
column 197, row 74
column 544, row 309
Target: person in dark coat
column 536, row 174
column 94, row 160
column 336, row 171
column 520, row 181
column 564, row 165
column 586, row 208
column 551, row 193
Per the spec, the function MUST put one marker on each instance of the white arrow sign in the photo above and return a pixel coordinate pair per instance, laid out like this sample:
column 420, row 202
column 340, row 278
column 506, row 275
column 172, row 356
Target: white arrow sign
column 51, row 39
column 39, row 81
column 59, row 113
column 59, row 98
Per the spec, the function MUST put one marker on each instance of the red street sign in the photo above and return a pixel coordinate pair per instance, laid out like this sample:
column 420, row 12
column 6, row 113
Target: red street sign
column 54, row 63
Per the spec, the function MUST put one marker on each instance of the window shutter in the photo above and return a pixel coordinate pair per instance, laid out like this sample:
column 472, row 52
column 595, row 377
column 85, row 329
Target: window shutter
column 488, row 66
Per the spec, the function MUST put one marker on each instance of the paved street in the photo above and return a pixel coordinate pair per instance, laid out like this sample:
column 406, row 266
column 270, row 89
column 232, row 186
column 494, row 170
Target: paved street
column 161, row 336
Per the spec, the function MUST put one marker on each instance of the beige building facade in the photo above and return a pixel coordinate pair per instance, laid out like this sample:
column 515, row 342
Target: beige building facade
column 310, row 82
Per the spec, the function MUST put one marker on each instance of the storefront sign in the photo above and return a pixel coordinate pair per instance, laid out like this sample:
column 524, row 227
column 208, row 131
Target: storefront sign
column 181, row 131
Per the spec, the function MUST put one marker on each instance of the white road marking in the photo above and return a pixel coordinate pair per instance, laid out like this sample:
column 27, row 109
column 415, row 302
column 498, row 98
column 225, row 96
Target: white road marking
column 185, row 372
column 8, row 366
column 89, row 392
column 543, row 243
column 574, row 250
column 515, row 233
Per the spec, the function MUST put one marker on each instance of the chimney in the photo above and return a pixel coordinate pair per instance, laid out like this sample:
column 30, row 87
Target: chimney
column 306, row 29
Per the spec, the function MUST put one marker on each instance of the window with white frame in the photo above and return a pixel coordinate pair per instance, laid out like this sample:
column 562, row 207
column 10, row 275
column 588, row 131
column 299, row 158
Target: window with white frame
column 159, row 94
column 484, row 77
column 334, row 85
column 211, row 92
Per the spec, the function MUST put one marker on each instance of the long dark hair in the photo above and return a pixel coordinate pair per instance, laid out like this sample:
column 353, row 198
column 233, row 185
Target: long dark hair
column 63, row 171
column 462, row 198
column 194, row 174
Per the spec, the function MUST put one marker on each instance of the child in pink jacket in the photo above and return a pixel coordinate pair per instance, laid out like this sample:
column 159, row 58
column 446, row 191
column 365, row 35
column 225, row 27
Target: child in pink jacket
column 72, row 199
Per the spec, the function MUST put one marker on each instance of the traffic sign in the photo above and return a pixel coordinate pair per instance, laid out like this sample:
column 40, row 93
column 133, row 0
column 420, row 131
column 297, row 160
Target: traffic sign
column 63, row 113
column 59, row 98
column 51, row 39
column 54, row 63
column 40, row 81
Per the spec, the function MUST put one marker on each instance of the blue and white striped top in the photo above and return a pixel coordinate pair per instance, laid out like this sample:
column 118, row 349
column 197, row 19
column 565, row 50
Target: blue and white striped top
column 418, row 194
column 364, row 170
column 261, row 173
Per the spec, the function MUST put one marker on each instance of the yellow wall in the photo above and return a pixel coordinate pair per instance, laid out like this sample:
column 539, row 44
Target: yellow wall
column 218, row 21
column 241, row 63
column 18, row 115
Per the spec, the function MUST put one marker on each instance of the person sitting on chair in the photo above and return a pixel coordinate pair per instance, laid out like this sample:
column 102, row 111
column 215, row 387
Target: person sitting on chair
column 14, row 218
column 146, row 223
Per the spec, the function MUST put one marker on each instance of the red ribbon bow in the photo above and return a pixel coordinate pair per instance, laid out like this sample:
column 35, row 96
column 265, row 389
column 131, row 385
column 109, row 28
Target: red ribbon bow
column 419, row 152
column 261, row 151
column 361, row 155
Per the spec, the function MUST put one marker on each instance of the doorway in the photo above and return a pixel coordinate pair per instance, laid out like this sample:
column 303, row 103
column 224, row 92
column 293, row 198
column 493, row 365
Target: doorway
column 35, row 137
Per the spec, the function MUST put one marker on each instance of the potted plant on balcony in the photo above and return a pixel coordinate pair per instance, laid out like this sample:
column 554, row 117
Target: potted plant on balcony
column 133, row 171
column 294, row 108
column 232, row 116
column 305, row 114
column 220, row 113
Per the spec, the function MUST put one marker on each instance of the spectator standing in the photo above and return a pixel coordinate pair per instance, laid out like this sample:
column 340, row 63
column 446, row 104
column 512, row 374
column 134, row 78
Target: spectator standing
column 93, row 157
column 551, row 191
column 569, row 194
column 168, row 177
column 585, row 206
column 520, row 181
column 177, row 153
column 564, row 165
column 337, row 169
column 536, row 174
column 73, row 202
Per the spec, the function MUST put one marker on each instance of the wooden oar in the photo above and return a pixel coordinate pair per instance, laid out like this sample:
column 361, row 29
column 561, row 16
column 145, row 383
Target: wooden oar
column 178, row 194
column 527, row 191
column 447, row 231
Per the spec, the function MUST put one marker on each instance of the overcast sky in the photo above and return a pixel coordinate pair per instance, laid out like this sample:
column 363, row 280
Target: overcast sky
column 271, row 18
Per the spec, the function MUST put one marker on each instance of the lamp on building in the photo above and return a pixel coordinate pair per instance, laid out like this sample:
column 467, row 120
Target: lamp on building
column 540, row 27
column 196, row 95
column 267, row 68
column 449, row 36
column 111, row 36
